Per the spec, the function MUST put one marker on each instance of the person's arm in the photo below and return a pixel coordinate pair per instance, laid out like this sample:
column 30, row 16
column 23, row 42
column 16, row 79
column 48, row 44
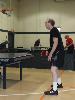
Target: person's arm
column 55, row 40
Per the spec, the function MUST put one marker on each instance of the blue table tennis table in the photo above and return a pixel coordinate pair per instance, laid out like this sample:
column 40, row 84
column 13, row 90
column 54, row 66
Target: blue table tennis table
column 12, row 58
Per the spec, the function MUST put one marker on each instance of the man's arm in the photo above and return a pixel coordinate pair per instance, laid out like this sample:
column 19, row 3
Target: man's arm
column 55, row 40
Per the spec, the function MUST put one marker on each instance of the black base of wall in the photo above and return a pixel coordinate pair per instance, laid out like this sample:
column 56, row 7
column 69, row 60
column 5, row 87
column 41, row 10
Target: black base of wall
column 42, row 62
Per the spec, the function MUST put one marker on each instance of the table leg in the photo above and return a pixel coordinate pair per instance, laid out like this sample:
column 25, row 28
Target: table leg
column 4, row 76
column 20, row 65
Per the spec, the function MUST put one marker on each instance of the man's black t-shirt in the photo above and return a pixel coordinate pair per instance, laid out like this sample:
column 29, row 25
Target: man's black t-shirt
column 55, row 33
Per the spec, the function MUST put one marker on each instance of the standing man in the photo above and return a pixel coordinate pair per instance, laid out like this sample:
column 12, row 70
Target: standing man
column 56, row 56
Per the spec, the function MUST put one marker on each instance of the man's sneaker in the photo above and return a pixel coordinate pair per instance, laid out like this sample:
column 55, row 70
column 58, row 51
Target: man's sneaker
column 58, row 85
column 51, row 92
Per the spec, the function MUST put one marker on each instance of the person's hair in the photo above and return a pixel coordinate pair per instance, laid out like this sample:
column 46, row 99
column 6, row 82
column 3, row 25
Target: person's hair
column 51, row 21
column 66, row 36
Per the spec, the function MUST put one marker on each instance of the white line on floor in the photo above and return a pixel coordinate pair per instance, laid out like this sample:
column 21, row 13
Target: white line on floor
column 66, row 90
column 36, row 93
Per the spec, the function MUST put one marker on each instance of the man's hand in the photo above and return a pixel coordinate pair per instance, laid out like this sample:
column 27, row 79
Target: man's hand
column 49, row 57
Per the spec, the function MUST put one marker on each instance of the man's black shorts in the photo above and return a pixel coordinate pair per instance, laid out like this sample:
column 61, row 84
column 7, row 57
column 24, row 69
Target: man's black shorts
column 58, row 60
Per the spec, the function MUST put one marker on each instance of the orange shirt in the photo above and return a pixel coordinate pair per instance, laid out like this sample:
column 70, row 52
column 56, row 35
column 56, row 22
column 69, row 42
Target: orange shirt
column 69, row 41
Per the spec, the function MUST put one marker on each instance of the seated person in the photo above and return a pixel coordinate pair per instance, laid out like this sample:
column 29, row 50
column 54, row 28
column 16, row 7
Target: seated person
column 37, row 43
column 69, row 44
column 6, row 11
column 3, row 44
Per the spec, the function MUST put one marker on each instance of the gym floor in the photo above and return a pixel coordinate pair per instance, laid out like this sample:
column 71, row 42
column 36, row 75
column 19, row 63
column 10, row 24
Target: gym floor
column 34, row 83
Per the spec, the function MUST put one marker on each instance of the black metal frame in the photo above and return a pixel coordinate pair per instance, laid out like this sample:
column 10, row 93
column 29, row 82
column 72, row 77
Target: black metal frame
column 4, row 73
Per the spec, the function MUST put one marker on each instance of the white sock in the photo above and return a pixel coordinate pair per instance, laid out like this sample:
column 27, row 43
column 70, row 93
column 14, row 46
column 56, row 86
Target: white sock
column 54, row 86
column 59, row 80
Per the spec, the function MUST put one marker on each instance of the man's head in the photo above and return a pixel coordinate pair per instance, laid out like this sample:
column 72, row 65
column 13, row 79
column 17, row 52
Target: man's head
column 49, row 24
column 66, row 36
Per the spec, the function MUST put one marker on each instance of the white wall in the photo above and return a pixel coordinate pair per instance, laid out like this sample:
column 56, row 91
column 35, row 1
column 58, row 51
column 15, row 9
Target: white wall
column 3, row 37
column 27, row 41
column 33, row 13
column 30, row 15
column 9, row 23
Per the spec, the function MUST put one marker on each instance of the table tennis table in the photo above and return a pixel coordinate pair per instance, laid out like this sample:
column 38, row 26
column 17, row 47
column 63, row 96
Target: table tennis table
column 12, row 58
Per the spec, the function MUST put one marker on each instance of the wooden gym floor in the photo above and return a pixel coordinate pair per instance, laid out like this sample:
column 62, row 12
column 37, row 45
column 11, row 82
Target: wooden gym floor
column 34, row 83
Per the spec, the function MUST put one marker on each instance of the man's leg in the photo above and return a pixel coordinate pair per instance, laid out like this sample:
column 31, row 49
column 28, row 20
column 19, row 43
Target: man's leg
column 54, row 90
column 54, row 77
column 60, row 65
column 59, row 82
